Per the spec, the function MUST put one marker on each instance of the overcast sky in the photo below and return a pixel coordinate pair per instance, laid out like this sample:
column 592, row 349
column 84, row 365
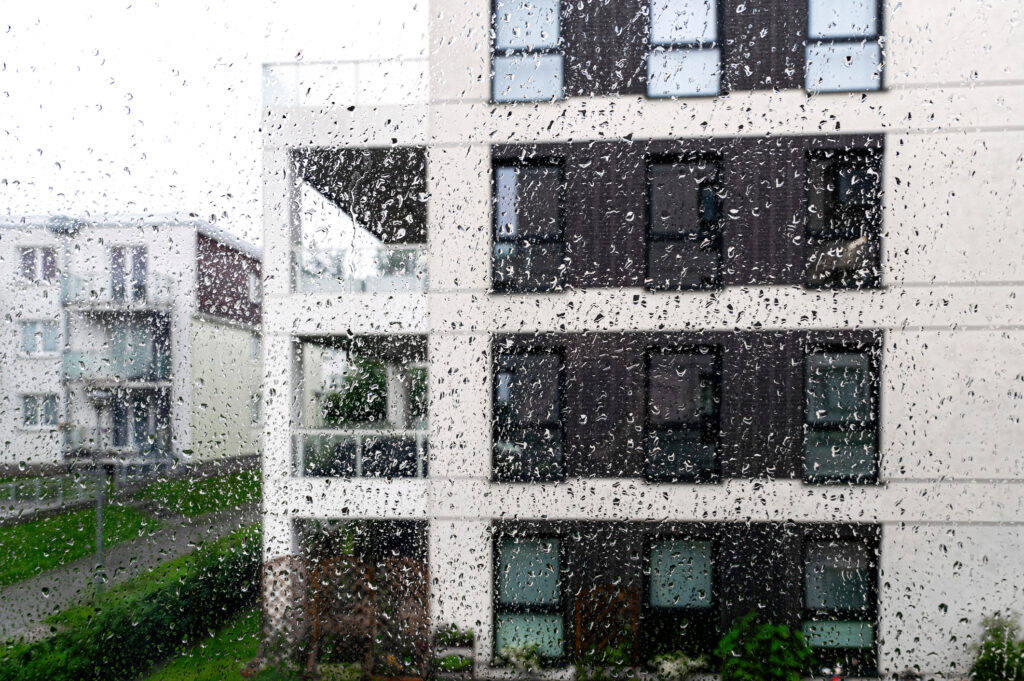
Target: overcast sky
column 153, row 107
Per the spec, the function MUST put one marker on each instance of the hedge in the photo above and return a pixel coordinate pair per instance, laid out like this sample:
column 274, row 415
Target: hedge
column 128, row 631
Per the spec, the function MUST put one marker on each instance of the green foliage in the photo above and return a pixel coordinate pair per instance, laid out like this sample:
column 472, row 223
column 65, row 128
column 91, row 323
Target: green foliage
column 676, row 666
column 128, row 630
column 362, row 397
column 1000, row 653
column 221, row 656
column 754, row 651
column 611, row 663
column 454, row 664
column 196, row 496
column 30, row 548
column 453, row 637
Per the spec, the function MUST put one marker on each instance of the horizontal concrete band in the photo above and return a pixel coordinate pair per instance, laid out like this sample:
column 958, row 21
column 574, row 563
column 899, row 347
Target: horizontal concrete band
column 630, row 499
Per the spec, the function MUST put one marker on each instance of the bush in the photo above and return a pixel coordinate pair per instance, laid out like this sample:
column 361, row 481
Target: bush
column 128, row 631
column 1000, row 651
column 676, row 666
column 753, row 651
column 607, row 664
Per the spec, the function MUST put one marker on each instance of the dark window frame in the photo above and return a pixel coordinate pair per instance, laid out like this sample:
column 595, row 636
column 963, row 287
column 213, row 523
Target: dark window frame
column 519, row 164
column 836, row 160
column 845, row 345
column 705, row 229
column 498, row 608
column 708, row 429
column 649, row 614
column 556, row 425
column 878, row 36
column 719, row 43
column 522, row 51
column 868, row 535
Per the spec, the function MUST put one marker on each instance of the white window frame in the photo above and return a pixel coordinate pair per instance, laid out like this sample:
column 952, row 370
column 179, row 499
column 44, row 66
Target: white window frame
column 39, row 398
column 255, row 288
column 39, row 351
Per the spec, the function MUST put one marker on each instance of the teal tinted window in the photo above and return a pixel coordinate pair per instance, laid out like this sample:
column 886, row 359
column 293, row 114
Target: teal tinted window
column 681, row 574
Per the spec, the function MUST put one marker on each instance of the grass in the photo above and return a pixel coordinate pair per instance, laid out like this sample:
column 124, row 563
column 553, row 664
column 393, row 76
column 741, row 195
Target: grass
column 34, row 547
column 195, row 497
column 221, row 656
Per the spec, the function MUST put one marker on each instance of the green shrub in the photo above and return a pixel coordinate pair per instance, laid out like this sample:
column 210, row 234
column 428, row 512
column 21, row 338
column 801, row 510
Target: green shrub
column 129, row 630
column 1000, row 653
column 754, row 651
column 611, row 663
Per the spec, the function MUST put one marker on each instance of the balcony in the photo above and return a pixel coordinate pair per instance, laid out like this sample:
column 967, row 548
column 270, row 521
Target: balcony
column 97, row 293
column 362, row 453
column 387, row 268
column 366, row 82
column 100, row 442
column 140, row 364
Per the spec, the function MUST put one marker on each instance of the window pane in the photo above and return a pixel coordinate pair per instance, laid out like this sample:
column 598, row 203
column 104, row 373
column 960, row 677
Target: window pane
column 836, row 453
column 683, row 21
column 28, row 337
column 544, row 631
column 537, row 202
column 29, row 411
column 49, row 415
column 681, row 388
column 681, row 574
column 676, row 197
column 528, row 572
column 49, row 264
column 505, row 219
column 28, row 263
column 526, row 24
column 533, row 388
column 838, row 388
column 837, row 576
column 680, row 73
column 843, row 66
column 529, row 266
column 856, row 185
column 839, row 634
column 842, row 18
column 49, row 331
column 528, row 454
column 527, row 77
column 683, row 264
column 679, row 454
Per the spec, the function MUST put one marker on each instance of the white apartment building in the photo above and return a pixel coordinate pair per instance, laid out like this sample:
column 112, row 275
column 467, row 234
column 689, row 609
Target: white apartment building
column 133, row 340
column 729, row 291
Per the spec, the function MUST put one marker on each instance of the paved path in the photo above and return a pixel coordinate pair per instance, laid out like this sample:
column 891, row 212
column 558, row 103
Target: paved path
column 24, row 605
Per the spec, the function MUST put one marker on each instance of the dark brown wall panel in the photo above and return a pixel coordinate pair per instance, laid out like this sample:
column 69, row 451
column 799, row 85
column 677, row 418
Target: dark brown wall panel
column 605, row 47
column 223, row 281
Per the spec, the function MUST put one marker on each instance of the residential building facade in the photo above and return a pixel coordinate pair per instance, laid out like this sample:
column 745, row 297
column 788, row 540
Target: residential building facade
column 714, row 305
column 132, row 340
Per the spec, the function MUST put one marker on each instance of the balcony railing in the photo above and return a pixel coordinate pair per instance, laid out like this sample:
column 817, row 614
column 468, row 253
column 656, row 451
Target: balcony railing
column 97, row 291
column 398, row 268
column 142, row 363
column 345, row 83
column 369, row 453
column 91, row 441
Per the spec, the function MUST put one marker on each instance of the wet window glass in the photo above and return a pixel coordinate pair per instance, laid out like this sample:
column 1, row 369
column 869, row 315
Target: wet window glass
column 527, row 60
column 685, row 57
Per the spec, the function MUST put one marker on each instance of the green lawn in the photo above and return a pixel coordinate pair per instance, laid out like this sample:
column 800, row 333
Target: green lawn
column 34, row 547
column 221, row 656
column 194, row 497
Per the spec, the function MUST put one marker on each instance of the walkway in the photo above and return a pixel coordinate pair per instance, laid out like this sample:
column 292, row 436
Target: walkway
column 24, row 606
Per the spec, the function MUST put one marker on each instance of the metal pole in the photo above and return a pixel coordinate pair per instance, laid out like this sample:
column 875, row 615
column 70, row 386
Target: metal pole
column 101, row 484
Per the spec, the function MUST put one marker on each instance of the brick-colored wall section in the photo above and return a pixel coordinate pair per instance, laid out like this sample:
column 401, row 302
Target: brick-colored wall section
column 223, row 281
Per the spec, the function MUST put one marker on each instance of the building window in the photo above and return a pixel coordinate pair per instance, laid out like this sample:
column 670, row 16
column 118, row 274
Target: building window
column 527, row 417
column 129, row 267
column 38, row 264
column 684, row 244
column 39, row 338
column 840, row 603
column 39, row 411
column 684, row 57
column 527, row 58
column 256, row 410
column 844, row 50
column 682, row 415
column 255, row 287
column 844, row 218
column 840, row 441
column 528, row 598
column 680, row 611
column 529, row 251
